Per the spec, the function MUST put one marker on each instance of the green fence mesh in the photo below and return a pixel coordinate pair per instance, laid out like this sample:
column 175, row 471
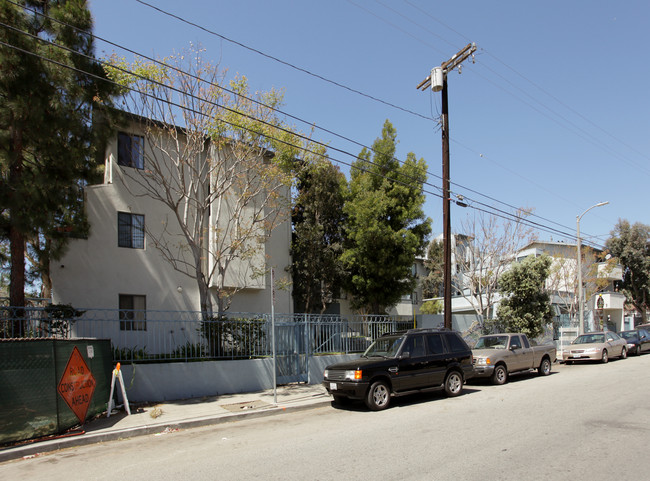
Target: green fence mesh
column 30, row 373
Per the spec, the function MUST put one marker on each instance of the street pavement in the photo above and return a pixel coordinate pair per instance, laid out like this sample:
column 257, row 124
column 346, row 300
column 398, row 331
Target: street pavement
column 174, row 415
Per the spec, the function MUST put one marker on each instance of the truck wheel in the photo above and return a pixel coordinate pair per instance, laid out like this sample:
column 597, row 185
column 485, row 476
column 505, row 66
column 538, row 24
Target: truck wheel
column 545, row 367
column 605, row 357
column 454, row 384
column 378, row 396
column 500, row 375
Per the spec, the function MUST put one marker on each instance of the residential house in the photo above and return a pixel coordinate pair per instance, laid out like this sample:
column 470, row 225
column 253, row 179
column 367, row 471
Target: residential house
column 599, row 278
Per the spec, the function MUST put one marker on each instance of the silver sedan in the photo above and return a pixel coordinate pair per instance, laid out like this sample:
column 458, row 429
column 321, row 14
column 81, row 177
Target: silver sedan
column 595, row 346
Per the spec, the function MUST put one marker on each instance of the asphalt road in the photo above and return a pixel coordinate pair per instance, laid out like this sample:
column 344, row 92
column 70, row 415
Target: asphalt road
column 583, row 422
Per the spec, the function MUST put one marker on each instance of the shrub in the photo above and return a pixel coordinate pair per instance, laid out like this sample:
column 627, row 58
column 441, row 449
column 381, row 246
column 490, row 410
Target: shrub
column 237, row 337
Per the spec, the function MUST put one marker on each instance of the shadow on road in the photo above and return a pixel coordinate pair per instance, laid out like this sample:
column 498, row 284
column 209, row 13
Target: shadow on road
column 402, row 401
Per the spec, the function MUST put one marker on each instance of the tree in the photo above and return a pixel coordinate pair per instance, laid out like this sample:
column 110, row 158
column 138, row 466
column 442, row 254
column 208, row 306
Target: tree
column 563, row 278
column 630, row 244
column 46, row 137
column 317, row 236
column 433, row 283
column 483, row 253
column 526, row 306
column 219, row 159
column 432, row 307
column 385, row 224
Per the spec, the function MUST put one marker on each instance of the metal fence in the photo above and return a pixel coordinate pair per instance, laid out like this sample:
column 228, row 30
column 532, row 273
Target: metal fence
column 153, row 336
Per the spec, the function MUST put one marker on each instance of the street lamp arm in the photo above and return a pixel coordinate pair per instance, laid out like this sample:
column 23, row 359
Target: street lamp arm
column 596, row 205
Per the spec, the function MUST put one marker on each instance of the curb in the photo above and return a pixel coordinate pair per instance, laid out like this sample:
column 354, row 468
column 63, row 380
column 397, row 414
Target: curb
column 35, row 449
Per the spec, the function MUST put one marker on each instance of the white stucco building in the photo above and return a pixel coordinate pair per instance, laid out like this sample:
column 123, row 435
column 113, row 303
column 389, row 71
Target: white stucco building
column 119, row 266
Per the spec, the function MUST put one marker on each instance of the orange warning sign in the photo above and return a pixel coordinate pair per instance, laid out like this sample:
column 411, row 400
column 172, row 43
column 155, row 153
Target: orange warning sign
column 77, row 385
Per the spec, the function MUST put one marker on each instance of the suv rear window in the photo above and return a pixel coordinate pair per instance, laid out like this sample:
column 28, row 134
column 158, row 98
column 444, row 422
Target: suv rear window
column 454, row 342
column 434, row 342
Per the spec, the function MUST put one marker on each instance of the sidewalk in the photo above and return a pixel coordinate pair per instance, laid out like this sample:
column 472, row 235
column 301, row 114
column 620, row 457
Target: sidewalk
column 183, row 414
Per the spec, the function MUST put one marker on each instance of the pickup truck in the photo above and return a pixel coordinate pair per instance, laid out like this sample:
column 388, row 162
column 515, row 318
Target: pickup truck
column 496, row 356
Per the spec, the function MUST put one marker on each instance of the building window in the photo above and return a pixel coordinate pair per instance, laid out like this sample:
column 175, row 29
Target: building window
column 130, row 150
column 130, row 230
column 133, row 314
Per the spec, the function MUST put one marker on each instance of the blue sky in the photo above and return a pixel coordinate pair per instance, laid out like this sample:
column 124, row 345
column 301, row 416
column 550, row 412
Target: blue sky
column 552, row 116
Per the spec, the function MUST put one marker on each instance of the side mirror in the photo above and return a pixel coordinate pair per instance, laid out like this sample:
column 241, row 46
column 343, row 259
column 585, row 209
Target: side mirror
column 405, row 355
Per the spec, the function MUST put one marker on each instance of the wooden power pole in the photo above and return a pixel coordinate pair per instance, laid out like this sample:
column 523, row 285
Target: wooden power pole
column 438, row 81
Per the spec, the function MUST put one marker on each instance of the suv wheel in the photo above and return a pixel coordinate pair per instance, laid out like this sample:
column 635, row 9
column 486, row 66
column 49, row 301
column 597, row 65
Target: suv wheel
column 454, row 383
column 378, row 396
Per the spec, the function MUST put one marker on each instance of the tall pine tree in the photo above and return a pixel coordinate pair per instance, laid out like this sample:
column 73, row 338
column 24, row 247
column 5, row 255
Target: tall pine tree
column 46, row 132
column 317, row 236
column 385, row 227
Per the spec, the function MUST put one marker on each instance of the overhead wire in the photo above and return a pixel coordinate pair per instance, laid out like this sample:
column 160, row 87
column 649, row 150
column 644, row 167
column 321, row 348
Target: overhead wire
column 551, row 115
column 328, row 80
column 503, row 213
column 283, row 62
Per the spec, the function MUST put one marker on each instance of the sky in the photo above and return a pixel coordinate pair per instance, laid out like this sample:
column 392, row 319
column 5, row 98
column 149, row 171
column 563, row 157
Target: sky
column 552, row 116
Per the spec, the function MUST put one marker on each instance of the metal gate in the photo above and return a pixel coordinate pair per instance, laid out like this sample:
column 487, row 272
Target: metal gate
column 292, row 351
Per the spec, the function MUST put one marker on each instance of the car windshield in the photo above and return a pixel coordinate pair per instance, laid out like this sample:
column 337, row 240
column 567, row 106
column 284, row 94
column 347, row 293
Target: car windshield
column 629, row 335
column 384, row 347
column 589, row 339
column 492, row 342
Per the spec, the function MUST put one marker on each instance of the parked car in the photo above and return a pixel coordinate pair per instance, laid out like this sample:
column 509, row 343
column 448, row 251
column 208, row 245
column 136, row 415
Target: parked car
column 498, row 355
column 595, row 346
column 638, row 341
column 402, row 363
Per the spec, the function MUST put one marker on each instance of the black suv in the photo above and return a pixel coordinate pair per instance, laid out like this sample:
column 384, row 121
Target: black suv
column 402, row 363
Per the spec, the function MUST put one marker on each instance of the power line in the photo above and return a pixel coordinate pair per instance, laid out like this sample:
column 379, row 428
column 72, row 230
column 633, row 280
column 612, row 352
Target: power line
column 551, row 115
column 502, row 213
column 283, row 62
column 166, row 65
column 322, row 78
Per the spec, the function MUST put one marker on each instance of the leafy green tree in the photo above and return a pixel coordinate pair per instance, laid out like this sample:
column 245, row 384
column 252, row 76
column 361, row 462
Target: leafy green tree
column 46, row 134
column 385, row 225
column 631, row 245
column 526, row 306
column 432, row 307
column 317, row 236
column 433, row 283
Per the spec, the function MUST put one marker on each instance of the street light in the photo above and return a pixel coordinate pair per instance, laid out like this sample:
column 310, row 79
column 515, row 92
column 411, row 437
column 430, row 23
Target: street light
column 581, row 310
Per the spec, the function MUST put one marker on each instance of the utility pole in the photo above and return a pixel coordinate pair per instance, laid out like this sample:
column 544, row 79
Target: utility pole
column 438, row 81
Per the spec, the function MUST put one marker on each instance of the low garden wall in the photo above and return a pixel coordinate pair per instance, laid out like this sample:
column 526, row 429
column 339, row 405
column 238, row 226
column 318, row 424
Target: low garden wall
column 168, row 381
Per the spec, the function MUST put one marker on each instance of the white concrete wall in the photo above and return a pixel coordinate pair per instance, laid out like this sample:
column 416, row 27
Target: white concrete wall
column 179, row 380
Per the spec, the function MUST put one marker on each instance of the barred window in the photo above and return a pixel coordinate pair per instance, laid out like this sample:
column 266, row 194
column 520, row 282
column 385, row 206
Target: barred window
column 133, row 313
column 130, row 150
column 130, row 230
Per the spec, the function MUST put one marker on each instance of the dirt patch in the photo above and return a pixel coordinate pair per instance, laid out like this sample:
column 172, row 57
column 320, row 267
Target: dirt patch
column 245, row 406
